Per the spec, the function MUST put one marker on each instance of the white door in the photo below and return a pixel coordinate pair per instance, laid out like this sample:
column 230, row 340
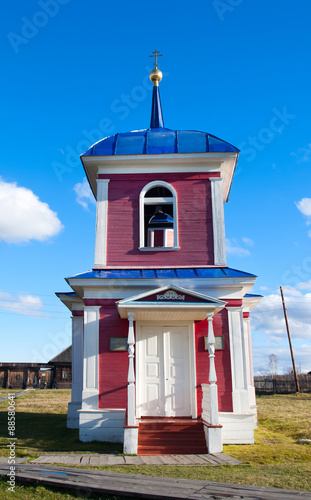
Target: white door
column 163, row 375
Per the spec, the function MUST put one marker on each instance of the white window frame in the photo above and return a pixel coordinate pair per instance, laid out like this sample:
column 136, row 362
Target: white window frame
column 157, row 201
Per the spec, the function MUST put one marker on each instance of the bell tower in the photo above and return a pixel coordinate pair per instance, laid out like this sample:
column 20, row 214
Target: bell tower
column 160, row 323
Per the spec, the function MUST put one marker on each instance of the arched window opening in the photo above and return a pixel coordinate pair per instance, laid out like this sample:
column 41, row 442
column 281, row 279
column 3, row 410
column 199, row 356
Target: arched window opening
column 158, row 216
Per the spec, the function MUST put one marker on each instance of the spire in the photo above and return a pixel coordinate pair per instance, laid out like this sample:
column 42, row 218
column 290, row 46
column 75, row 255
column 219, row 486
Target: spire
column 156, row 111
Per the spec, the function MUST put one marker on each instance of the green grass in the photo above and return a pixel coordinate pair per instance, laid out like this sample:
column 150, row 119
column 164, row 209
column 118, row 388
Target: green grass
column 41, row 417
column 283, row 420
column 288, row 476
column 5, row 392
column 275, row 460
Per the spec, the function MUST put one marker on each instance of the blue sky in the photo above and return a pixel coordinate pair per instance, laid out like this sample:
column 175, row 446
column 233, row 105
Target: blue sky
column 73, row 72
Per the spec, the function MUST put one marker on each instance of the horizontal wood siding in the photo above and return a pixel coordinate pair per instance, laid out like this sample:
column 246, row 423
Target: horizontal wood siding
column 113, row 366
column 222, row 362
column 194, row 220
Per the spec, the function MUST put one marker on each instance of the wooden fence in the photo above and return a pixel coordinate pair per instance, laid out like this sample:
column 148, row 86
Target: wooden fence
column 282, row 384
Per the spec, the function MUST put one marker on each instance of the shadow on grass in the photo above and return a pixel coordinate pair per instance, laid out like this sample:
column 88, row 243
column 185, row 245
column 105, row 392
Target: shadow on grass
column 44, row 432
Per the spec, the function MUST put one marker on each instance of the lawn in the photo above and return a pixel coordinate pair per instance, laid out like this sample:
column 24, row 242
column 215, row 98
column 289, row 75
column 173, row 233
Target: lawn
column 41, row 417
column 276, row 460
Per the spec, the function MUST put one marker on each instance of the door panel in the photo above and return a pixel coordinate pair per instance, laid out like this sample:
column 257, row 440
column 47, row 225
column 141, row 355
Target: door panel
column 178, row 402
column 151, row 372
column 164, row 371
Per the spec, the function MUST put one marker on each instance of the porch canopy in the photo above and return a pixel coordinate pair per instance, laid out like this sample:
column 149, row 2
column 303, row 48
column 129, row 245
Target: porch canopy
column 169, row 303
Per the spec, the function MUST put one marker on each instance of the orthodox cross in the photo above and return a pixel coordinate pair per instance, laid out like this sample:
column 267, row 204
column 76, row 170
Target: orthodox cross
column 156, row 54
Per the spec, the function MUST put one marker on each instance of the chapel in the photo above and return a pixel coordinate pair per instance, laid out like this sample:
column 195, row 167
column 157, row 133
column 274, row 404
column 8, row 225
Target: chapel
column 161, row 343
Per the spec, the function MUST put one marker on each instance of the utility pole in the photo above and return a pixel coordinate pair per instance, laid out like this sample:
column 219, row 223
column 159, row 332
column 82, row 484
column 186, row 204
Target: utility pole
column 290, row 342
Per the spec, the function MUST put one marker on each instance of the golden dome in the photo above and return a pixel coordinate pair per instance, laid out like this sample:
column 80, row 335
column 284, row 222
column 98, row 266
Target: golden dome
column 156, row 76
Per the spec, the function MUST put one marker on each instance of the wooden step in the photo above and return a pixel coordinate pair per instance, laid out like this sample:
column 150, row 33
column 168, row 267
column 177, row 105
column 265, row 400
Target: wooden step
column 168, row 432
column 169, row 450
column 171, row 437
column 171, row 427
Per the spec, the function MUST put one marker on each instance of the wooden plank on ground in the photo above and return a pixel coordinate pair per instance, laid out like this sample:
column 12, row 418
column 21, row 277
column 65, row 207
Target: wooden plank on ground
column 168, row 460
column 182, row 459
column 113, row 460
column 197, row 460
column 72, row 459
column 225, row 459
column 208, row 459
column 151, row 460
column 85, row 460
column 133, row 460
column 140, row 486
column 103, row 460
column 38, row 460
column 50, row 459
column 94, row 460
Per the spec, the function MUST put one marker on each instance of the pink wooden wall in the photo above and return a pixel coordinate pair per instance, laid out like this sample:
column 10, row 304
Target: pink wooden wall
column 222, row 361
column 194, row 221
column 113, row 366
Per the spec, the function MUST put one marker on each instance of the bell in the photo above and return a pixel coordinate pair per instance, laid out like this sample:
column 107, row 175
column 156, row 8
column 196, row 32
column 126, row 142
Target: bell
column 160, row 229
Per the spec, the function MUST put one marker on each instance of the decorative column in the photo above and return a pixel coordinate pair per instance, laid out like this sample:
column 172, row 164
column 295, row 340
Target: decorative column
column 240, row 396
column 218, row 221
column 212, row 373
column 131, row 419
column 131, row 428
column 101, row 223
column 77, row 373
column 213, row 429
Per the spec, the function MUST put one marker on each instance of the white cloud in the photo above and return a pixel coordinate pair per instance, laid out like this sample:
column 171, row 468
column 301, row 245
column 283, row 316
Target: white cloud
column 304, row 206
column 23, row 217
column 304, row 285
column 303, row 154
column 234, row 248
column 84, row 194
column 268, row 316
column 28, row 305
column 248, row 242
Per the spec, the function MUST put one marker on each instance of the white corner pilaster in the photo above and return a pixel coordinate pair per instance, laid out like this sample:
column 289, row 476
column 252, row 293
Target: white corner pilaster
column 238, row 355
column 76, row 371
column 101, row 223
column 218, row 221
column 249, row 368
column 77, row 358
column 90, row 358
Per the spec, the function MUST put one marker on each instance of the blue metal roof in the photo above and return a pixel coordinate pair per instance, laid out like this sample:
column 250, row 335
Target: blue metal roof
column 159, row 141
column 211, row 272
